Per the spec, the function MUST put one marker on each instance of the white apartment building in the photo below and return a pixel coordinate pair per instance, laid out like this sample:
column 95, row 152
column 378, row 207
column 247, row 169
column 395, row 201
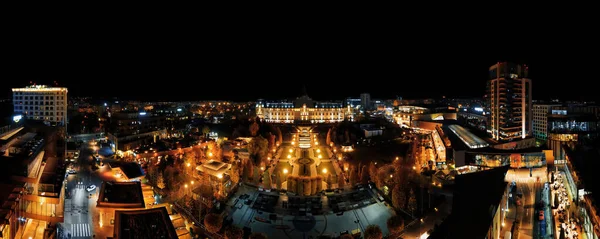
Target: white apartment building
column 41, row 102
column 540, row 120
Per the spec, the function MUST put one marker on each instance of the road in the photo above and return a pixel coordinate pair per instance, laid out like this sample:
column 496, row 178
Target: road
column 529, row 183
column 78, row 220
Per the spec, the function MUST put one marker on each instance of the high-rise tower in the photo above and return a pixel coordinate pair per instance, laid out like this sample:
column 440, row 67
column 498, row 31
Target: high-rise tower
column 509, row 99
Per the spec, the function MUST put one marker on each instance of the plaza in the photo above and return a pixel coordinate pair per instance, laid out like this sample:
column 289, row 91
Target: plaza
column 309, row 203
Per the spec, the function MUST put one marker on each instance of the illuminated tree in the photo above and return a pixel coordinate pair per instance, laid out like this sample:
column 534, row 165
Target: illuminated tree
column 279, row 135
column 235, row 174
column 233, row 232
column 189, row 159
column 254, row 129
column 213, row 222
column 353, row 176
column 373, row 174
column 258, row 148
column 398, row 197
column 278, row 182
column 160, row 182
column 205, row 130
column 395, row 224
column 258, row 235
column 267, row 179
column 319, row 183
column 307, row 186
column 328, row 138
column 341, row 181
column 412, row 202
column 290, row 183
column 373, row 232
column 364, row 175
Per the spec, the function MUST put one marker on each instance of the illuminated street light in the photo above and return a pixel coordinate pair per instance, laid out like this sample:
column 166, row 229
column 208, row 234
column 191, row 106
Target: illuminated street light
column 319, row 156
column 324, row 170
column 210, row 154
column 185, row 185
column 192, row 182
column 391, row 176
column 291, row 150
column 262, row 168
column 188, row 164
column 285, row 171
column 289, row 156
column 220, row 176
column 397, row 158
column 318, row 150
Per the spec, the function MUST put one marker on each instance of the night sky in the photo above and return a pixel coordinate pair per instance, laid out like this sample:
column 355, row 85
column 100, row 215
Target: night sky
column 250, row 62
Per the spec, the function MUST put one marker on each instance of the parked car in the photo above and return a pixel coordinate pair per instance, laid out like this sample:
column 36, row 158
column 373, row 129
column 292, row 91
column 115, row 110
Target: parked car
column 91, row 188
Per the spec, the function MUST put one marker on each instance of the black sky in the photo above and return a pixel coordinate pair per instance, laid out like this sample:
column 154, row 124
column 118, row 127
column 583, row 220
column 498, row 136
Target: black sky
column 245, row 61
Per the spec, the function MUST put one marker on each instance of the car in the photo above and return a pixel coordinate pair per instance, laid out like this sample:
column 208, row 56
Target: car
column 91, row 188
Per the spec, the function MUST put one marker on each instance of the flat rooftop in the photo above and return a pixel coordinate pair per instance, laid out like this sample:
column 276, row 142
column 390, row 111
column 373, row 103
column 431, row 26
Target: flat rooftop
column 148, row 223
column 10, row 133
column 121, row 195
column 467, row 137
column 214, row 168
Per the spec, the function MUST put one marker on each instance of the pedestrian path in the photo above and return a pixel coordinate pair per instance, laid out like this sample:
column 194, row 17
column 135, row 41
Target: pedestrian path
column 81, row 230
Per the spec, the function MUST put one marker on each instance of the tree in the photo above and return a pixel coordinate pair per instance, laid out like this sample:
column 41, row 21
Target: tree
column 254, row 129
column 271, row 138
column 307, row 186
column 364, row 175
column 213, row 222
column 258, row 235
column 233, row 232
column 319, row 183
column 278, row 181
column 189, row 159
column 395, row 224
column 341, row 181
column 205, row 130
column 258, row 148
column 412, row 202
column 235, row 174
column 373, row 232
column 353, row 176
column 300, row 185
column 328, row 138
column 279, row 136
column 290, row 183
column 373, row 174
column 160, row 182
column 329, row 181
column 398, row 197
column 267, row 179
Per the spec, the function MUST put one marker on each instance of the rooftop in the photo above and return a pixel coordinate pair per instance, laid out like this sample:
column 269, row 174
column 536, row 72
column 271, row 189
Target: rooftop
column 148, row 223
column 215, row 168
column 467, row 137
column 477, row 196
column 121, row 195
column 130, row 169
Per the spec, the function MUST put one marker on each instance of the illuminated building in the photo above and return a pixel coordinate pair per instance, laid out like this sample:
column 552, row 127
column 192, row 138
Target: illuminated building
column 302, row 110
column 509, row 96
column 540, row 120
column 40, row 102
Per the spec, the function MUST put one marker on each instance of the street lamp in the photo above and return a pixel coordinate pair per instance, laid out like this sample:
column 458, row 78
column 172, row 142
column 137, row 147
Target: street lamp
column 289, row 156
column 324, row 170
column 285, row 171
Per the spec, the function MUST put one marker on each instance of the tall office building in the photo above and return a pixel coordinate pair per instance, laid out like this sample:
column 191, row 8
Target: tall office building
column 365, row 101
column 40, row 102
column 509, row 97
column 540, row 120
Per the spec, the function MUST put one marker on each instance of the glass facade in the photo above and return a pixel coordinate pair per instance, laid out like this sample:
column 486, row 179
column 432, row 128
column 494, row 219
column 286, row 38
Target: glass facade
column 524, row 160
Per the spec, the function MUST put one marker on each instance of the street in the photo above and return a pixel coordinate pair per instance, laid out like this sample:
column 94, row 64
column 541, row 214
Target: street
column 78, row 203
column 529, row 184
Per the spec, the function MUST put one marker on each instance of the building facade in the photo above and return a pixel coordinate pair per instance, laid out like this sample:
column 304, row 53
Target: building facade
column 540, row 120
column 40, row 102
column 509, row 95
column 302, row 110
column 365, row 101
